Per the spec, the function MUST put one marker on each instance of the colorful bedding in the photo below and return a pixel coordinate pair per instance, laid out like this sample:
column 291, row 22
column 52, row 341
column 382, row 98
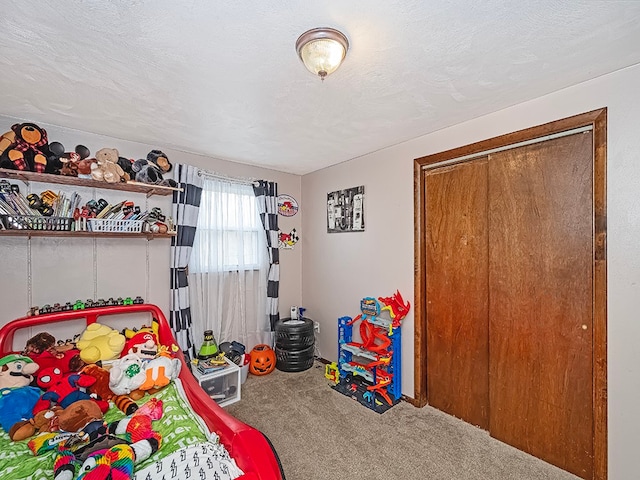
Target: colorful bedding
column 186, row 447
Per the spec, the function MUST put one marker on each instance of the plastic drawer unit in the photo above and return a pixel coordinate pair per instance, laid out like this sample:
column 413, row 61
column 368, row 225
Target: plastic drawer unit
column 222, row 385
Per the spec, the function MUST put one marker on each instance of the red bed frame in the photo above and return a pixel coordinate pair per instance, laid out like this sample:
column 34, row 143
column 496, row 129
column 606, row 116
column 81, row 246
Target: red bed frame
column 250, row 448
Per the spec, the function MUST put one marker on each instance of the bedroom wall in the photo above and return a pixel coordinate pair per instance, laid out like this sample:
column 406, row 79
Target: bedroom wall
column 339, row 269
column 48, row 270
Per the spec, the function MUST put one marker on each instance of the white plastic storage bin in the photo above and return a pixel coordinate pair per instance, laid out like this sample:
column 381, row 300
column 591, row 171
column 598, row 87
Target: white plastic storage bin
column 222, row 385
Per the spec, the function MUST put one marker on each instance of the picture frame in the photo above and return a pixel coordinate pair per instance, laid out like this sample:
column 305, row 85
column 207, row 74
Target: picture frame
column 345, row 210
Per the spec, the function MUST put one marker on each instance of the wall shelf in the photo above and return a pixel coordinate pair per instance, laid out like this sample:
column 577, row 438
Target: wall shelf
column 137, row 187
column 59, row 233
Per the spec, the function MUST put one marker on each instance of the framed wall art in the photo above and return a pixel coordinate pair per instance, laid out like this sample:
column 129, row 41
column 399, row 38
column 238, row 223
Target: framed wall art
column 345, row 210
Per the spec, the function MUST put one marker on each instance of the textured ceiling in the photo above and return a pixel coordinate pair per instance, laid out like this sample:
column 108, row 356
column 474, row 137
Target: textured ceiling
column 222, row 78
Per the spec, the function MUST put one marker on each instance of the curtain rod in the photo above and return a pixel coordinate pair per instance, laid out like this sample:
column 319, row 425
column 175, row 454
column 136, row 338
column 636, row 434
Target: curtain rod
column 225, row 178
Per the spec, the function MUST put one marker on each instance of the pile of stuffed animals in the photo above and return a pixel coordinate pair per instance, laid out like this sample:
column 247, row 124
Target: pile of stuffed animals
column 26, row 147
column 56, row 390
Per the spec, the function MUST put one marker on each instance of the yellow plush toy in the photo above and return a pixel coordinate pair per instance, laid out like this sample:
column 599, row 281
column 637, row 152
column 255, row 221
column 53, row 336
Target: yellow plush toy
column 99, row 342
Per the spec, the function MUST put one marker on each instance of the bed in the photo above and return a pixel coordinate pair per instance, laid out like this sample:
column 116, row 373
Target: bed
column 249, row 449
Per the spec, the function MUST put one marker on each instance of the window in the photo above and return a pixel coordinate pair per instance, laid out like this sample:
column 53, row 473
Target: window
column 229, row 236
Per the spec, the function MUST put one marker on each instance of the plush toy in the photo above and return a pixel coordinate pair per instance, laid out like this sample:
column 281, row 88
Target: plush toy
column 157, row 362
column 102, row 390
column 99, row 343
column 84, row 168
column 70, row 160
column 160, row 160
column 144, row 344
column 106, row 167
column 17, row 398
column 63, row 389
column 126, row 375
column 26, row 148
column 160, row 371
column 148, row 172
column 125, row 164
column 43, row 349
column 77, row 417
column 114, row 462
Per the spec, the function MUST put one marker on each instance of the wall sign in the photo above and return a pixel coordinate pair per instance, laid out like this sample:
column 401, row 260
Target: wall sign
column 287, row 205
column 345, row 210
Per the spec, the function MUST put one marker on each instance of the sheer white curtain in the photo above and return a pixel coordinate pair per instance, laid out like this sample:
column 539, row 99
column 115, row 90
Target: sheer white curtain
column 229, row 266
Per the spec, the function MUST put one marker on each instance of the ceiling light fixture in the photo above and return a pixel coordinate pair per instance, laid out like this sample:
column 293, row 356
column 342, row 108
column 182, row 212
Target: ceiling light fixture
column 322, row 50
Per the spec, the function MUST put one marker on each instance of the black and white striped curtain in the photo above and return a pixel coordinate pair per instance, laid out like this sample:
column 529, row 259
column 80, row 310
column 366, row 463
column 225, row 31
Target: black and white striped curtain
column 267, row 198
column 185, row 214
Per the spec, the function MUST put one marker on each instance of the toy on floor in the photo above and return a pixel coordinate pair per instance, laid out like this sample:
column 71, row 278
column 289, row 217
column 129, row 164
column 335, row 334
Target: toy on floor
column 369, row 371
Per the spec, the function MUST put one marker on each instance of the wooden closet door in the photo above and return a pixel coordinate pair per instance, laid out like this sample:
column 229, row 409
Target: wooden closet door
column 457, row 292
column 540, row 300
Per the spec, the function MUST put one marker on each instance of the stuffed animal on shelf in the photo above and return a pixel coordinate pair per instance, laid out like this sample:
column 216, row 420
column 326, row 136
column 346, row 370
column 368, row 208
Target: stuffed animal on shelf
column 17, row 398
column 64, row 390
column 99, row 343
column 125, row 164
column 146, row 171
column 26, row 147
column 84, row 168
column 70, row 160
column 106, row 167
column 160, row 160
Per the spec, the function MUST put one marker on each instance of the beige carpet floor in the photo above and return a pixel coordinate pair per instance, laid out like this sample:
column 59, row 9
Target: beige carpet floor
column 320, row 434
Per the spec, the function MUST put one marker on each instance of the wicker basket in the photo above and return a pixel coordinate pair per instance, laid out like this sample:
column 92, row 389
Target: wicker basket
column 120, row 226
column 35, row 222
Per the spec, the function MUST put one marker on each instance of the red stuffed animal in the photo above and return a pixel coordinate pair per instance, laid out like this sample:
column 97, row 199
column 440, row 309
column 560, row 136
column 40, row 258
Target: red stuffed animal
column 64, row 389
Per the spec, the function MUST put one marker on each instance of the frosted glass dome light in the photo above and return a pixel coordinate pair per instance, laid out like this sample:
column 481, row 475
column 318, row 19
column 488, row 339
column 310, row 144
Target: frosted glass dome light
column 322, row 50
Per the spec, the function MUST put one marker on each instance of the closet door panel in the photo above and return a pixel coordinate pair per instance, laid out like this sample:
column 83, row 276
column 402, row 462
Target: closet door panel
column 540, row 300
column 456, row 288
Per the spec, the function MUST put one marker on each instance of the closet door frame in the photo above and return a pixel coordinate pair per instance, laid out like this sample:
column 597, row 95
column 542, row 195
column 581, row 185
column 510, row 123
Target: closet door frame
column 597, row 120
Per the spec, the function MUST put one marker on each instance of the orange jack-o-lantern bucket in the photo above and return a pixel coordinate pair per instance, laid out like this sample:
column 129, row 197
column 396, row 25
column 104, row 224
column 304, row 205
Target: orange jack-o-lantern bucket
column 263, row 360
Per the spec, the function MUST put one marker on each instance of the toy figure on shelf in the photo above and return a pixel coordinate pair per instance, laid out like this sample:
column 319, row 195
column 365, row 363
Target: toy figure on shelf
column 369, row 370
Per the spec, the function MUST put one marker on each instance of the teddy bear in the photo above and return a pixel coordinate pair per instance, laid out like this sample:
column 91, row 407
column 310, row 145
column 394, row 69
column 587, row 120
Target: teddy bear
column 26, row 147
column 106, row 167
column 17, row 397
column 75, row 418
column 99, row 343
column 70, row 160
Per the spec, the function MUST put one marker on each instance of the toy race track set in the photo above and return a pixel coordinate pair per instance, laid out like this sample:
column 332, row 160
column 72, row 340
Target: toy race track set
column 369, row 371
